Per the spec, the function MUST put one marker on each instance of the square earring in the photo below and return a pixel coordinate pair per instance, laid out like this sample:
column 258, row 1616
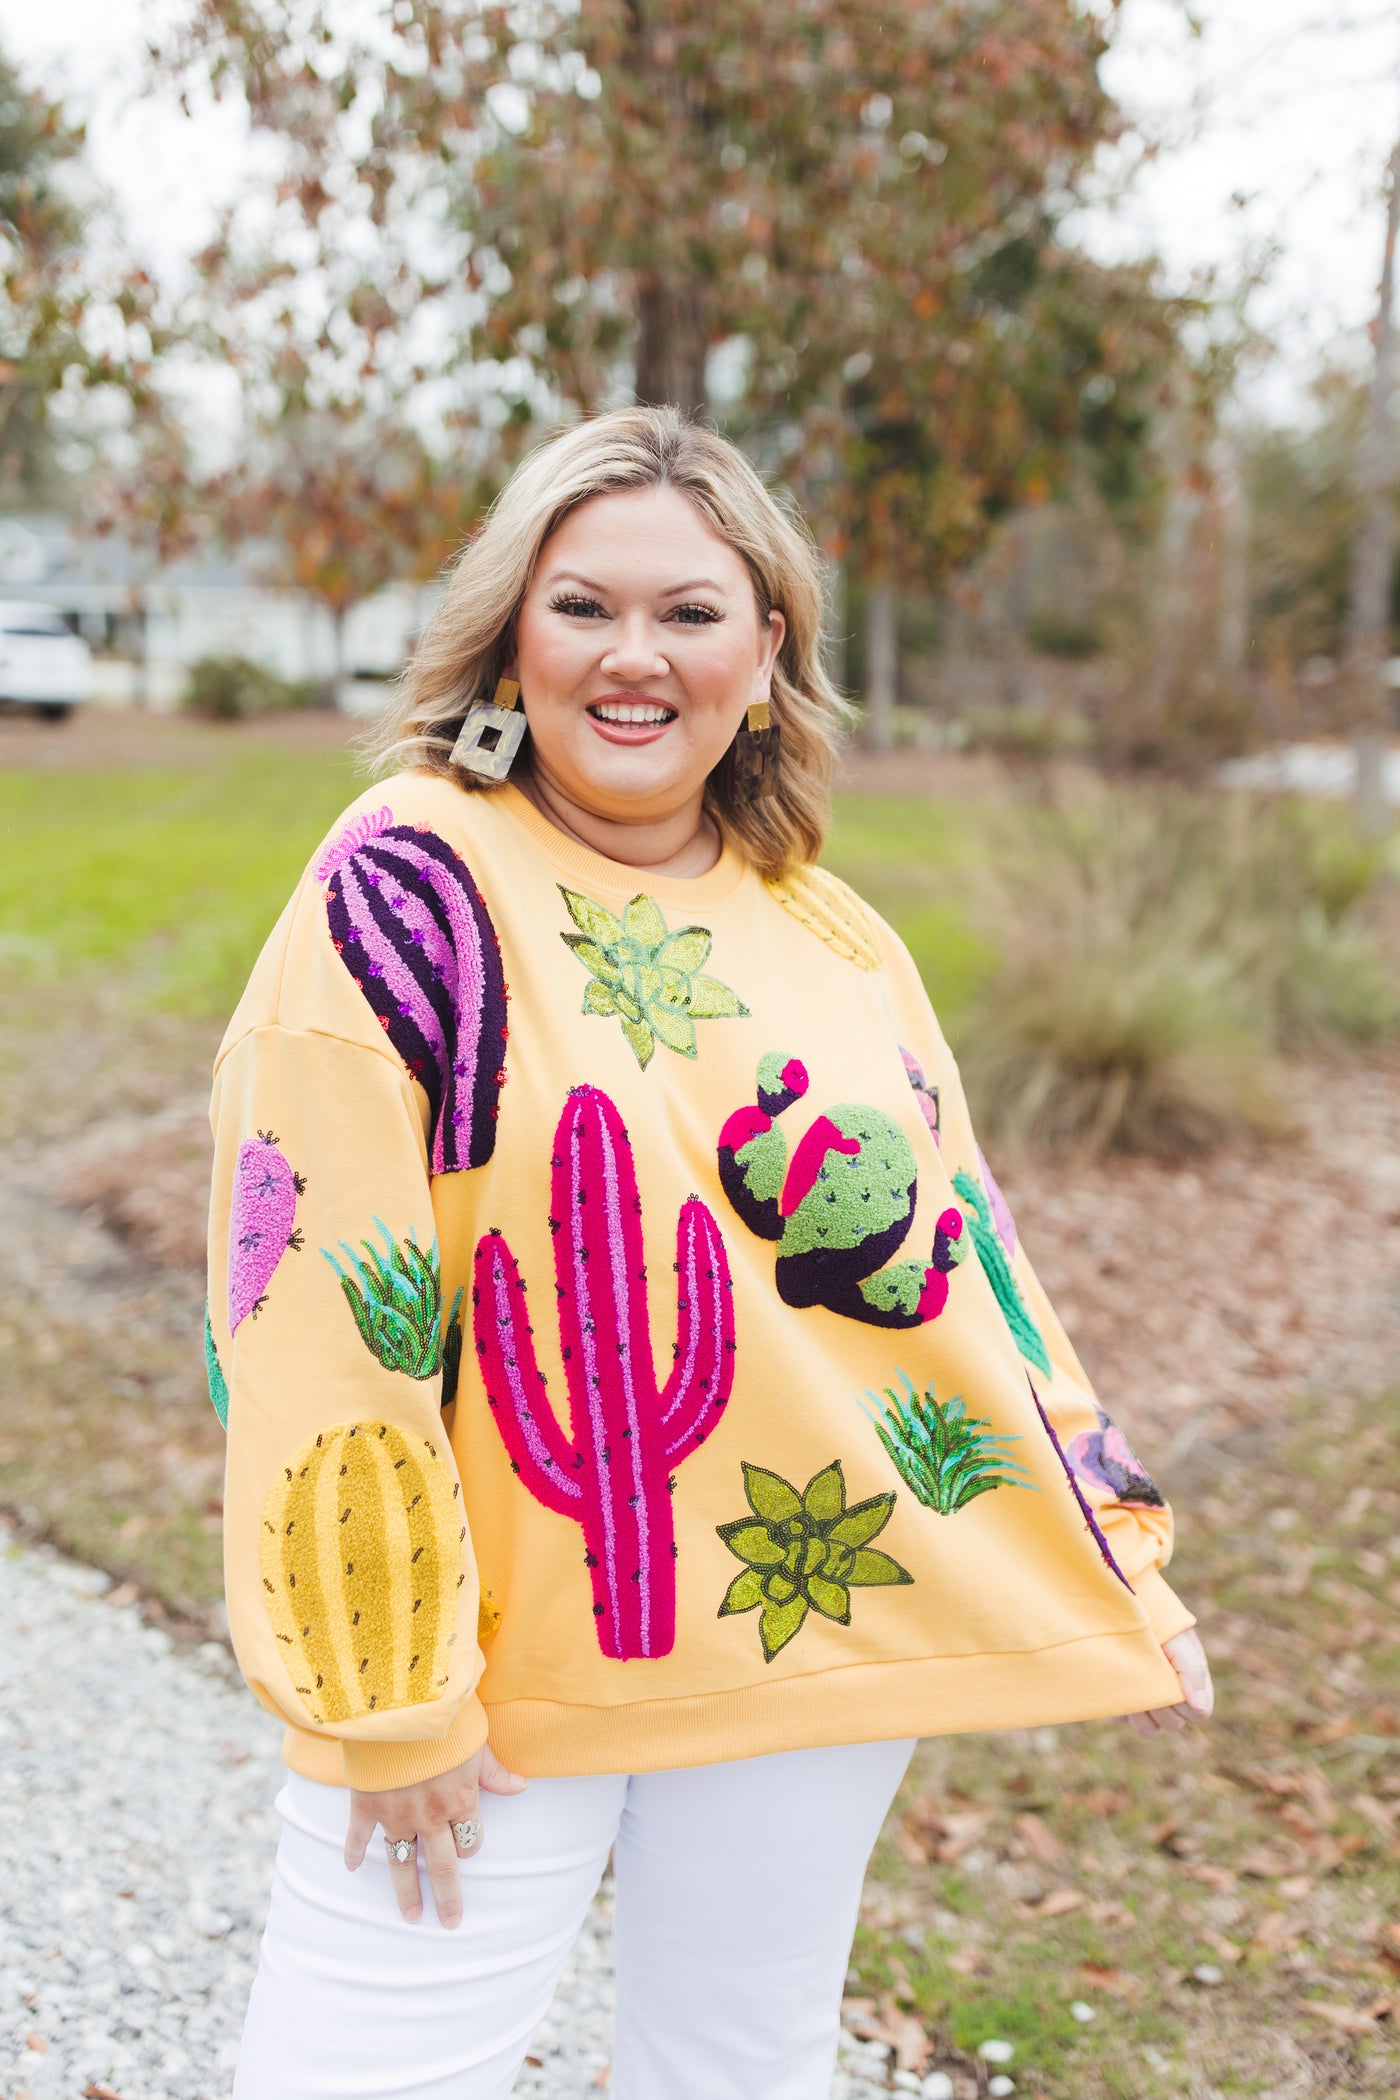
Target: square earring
column 492, row 734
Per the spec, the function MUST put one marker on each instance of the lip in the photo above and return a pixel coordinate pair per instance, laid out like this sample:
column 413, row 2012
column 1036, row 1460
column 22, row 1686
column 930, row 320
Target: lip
column 630, row 732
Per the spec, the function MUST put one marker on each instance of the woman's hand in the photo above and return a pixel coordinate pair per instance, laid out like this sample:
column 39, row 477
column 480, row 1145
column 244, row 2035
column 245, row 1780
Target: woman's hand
column 1197, row 1702
column 427, row 1812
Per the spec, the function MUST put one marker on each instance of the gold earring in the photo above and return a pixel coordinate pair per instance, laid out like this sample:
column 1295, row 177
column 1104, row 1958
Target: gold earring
column 492, row 733
column 754, row 767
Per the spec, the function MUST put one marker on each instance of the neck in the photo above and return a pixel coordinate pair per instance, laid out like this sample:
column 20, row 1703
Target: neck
column 683, row 841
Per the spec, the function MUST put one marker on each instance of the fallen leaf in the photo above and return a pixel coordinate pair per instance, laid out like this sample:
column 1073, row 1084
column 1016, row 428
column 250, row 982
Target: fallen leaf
column 99, row 2092
column 1265, row 1865
column 1110, row 1913
column 1039, row 1837
column 603, row 2076
column 1060, row 1902
column 910, row 1846
column 1335, row 1731
column 1226, row 1949
column 1388, row 1940
column 1113, row 1981
column 905, row 2036
column 1223, row 1880
column 1275, row 1933
column 1103, row 1801
column 125, row 1593
column 1347, row 2019
column 537, row 2061
column 1295, row 1887
column 39, row 2043
column 966, row 1962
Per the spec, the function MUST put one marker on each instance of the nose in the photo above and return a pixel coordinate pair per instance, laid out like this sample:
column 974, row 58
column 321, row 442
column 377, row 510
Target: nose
column 632, row 653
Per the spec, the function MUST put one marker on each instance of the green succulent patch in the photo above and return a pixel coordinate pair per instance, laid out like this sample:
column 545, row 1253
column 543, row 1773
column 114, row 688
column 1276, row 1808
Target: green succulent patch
column 945, row 1455
column 645, row 976
column 804, row 1552
column 396, row 1298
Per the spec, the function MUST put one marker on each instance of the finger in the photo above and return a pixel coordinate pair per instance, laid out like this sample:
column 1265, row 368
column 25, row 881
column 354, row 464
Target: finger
column 358, row 1833
column 465, row 1825
column 404, row 1876
column 439, row 1855
column 498, row 1778
column 1142, row 1724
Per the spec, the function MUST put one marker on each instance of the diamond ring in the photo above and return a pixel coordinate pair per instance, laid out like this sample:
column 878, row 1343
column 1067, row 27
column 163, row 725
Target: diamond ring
column 401, row 1849
column 466, row 1833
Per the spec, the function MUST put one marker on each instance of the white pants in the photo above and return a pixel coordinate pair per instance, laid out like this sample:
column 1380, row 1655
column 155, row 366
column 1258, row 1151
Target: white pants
column 736, row 1892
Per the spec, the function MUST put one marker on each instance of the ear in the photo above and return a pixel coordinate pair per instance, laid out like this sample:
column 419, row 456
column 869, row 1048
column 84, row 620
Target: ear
column 769, row 644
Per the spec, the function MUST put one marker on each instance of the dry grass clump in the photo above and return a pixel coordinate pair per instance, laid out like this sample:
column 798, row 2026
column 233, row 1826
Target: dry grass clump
column 1160, row 952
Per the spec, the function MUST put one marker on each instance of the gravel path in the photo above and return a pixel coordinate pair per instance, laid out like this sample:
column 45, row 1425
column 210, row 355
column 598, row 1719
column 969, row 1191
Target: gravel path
column 124, row 1970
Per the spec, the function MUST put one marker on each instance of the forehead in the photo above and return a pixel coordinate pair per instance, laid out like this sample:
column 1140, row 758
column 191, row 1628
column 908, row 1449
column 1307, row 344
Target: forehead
column 640, row 537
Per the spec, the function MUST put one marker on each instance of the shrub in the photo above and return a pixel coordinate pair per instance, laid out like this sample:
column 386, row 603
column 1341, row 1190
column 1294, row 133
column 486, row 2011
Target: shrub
column 1158, row 951
column 231, row 689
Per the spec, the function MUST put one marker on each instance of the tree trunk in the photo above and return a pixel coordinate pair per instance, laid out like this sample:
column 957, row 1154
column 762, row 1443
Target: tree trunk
column 881, row 665
column 834, row 631
column 1232, row 633
column 671, row 348
column 1373, row 557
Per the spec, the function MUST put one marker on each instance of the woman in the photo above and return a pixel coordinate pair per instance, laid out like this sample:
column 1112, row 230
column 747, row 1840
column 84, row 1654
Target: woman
column 633, row 1381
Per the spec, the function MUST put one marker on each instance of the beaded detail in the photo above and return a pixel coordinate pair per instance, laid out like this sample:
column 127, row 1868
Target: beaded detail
column 825, row 905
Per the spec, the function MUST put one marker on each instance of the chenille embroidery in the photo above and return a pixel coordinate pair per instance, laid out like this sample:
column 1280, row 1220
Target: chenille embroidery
column 996, row 1261
column 1091, row 1522
column 410, row 926
column 926, row 1095
column 1104, row 1456
column 826, row 907
column 804, row 1552
column 839, row 1208
column 361, row 1565
column 213, row 1371
column 262, row 1224
column 650, row 979
column 395, row 1295
column 612, row 1471
column 356, row 834
column 945, row 1455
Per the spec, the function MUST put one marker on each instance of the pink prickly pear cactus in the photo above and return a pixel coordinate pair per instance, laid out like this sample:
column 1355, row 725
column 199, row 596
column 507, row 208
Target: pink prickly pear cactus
column 262, row 1224
column 611, row 1470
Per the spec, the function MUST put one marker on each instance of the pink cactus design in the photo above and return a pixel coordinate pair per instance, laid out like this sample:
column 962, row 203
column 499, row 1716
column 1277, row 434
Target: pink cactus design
column 349, row 841
column 262, row 1224
column 611, row 1472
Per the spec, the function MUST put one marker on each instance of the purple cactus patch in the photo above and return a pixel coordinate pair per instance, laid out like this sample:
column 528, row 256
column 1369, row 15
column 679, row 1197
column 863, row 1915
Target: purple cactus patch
column 927, row 1095
column 350, row 840
column 1091, row 1522
column 1001, row 1215
column 411, row 927
column 1104, row 1456
column 262, row 1224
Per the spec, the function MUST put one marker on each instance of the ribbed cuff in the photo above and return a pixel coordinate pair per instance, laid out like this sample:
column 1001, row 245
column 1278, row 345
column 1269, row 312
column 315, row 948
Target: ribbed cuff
column 1165, row 1610
column 377, row 1768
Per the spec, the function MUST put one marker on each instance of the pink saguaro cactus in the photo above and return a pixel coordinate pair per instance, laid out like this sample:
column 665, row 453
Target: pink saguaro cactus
column 611, row 1471
column 262, row 1223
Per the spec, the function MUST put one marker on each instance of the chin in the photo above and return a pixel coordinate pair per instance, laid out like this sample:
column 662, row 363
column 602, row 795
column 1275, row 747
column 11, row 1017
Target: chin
column 615, row 774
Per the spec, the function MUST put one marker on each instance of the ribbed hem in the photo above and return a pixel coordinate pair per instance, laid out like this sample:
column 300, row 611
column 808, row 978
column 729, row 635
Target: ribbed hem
column 1165, row 1611
column 1090, row 1679
column 376, row 1768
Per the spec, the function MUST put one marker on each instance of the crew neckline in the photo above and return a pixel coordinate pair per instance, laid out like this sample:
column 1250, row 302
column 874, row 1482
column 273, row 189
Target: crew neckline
column 715, row 887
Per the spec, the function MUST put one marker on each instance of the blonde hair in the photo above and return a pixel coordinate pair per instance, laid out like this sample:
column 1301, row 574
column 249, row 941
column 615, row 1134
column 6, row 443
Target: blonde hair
column 469, row 637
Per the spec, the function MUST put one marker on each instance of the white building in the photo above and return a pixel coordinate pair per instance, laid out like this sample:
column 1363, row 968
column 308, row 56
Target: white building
column 147, row 625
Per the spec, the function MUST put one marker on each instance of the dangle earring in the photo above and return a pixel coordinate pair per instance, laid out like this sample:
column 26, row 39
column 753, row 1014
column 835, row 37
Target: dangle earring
column 492, row 734
column 755, row 765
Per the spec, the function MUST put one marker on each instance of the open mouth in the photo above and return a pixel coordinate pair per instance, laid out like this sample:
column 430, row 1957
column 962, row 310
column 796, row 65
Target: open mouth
column 633, row 714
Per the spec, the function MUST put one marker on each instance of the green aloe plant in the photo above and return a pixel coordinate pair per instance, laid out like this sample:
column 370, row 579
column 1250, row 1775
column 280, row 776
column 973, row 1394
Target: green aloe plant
column 945, row 1455
column 804, row 1552
column 396, row 1298
column 645, row 976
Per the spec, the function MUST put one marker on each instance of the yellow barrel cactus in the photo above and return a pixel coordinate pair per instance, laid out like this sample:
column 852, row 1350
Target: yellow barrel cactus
column 362, row 1562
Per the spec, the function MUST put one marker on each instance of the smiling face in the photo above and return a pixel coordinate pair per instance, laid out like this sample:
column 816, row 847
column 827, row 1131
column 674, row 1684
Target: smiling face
column 639, row 646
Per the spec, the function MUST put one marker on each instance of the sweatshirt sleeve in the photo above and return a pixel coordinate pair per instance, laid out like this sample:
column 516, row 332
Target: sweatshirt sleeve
column 352, row 1587
column 1124, row 1501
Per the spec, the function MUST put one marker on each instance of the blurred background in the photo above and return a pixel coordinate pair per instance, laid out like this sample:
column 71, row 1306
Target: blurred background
column 1070, row 327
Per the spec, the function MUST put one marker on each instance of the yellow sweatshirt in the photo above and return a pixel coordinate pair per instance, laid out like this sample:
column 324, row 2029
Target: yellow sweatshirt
column 622, row 1342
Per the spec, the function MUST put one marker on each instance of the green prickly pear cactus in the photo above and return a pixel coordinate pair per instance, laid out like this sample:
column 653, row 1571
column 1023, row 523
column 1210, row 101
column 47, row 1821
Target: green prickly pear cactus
column 839, row 1207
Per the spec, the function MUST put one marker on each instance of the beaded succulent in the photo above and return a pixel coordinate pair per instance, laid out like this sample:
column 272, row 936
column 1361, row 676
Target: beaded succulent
column 945, row 1455
column 395, row 1294
column 804, row 1552
column 642, row 974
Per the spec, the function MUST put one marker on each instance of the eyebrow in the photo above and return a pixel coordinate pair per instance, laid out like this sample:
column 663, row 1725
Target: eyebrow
column 676, row 590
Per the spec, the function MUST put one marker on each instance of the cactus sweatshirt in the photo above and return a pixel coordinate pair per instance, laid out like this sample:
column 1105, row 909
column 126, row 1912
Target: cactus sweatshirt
column 623, row 1345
